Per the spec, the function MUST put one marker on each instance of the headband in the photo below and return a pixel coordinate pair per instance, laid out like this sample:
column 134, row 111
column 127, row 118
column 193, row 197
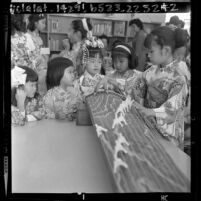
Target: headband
column 86, row 28
column 124, row 47
column 17, row 76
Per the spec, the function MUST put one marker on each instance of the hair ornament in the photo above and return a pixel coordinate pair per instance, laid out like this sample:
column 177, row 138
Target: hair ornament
column 124, row 47
column 18, row 77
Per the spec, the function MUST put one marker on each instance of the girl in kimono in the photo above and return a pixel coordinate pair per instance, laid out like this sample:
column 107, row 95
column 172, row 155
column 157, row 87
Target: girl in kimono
column 62, row 98
column 166, row 87
column 92, row 65
column 26, row 103
column 19, row 47
column 37, row 24
column 124, row 64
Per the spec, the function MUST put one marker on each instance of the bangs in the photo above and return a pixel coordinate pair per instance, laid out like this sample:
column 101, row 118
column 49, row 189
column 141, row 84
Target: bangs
column 120, row 52
column 148, row 41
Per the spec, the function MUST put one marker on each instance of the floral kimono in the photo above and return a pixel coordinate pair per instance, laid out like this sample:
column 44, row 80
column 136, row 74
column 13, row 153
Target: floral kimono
column 19, row 50
column 60, row 103
column 124, row 81
column 35, row 43
column 88, row 83
column 33, row 111
column 165, row 91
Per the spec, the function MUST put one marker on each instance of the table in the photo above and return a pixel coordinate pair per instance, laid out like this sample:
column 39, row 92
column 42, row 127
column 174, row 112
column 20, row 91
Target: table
column 52, row 156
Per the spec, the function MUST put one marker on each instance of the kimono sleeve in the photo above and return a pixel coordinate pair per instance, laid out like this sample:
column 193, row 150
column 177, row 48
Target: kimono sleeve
column 18, row 118
column 169, row 116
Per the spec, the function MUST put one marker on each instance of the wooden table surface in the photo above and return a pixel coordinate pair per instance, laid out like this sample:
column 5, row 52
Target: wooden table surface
column 52, row 156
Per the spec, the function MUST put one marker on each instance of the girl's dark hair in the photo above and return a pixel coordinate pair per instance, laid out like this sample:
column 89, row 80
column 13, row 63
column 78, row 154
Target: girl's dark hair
column 78, row 26
column 138, row 22
column 94, row 51
column 103, row 36
column 32, row 76
column 34, row 18
column 165, row 36
column 55, row 71
column 17, row 23
column 132, row 59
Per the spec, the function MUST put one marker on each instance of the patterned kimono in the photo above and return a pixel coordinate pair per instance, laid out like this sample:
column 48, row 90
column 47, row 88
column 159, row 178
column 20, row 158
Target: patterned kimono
column 33, row 111
column 60, row 103
column 165, row 91
column 88, row 83
column 19, row 51
column 125, row 81
column 35, row 43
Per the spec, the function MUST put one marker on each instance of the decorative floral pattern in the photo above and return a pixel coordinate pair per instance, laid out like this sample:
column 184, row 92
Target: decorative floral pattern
column 88, row 83
column 33, row 110
column 19, row 51
column 61, row 104
column 165, row 93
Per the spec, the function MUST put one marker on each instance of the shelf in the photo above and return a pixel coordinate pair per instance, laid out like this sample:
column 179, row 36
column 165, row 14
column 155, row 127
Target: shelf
column 58, row 33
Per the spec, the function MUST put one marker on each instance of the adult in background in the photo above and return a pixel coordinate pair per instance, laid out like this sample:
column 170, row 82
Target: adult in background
column 138, row 43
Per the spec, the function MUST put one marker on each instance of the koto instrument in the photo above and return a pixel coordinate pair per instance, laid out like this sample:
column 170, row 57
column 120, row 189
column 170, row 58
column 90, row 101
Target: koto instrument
column 136, row 158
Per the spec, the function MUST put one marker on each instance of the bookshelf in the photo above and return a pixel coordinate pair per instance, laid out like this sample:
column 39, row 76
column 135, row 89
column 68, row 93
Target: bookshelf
column 58, row 25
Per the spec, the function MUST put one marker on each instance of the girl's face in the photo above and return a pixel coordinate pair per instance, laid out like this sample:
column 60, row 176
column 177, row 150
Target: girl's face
column 121, row 63
column 30, row 88
column 41, row 24
column 68, row 76
column 74, row 36
column 94, row 65
column 157, row 55
column 66, row 44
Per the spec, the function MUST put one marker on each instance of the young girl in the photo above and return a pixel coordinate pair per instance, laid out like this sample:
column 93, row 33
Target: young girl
column 166, row 87
column 26, row 102
column 92, row 65
column 36, row 24
column 61, row 99
column 19, row 47
column 79, row 31
column 124, row 65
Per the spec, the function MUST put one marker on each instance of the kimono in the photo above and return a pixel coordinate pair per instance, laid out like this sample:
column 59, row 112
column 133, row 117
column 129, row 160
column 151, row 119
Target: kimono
column 19, row 50
column 125, row 81
column 165, row 91
column 39, row 62
column 60, row 103
column 33, row 111
column 88, row 83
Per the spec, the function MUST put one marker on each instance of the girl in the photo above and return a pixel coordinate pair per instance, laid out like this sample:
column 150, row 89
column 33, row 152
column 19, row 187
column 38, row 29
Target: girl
column 36, row 24
column 26, row 102
column 61, row 99
column 79, row 31
column 124, row 65
column 92, row 65
column 166, row 87
column 19, row 48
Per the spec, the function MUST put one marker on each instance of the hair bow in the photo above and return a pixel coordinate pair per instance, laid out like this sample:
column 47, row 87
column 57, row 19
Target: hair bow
column 17, row 76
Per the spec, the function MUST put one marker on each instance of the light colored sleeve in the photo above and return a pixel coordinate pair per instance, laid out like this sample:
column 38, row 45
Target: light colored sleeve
column 169, row 115
column 18, row 118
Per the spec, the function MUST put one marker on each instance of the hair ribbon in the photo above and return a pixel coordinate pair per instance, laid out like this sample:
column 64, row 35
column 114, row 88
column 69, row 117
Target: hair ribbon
column 89, row 33
column 17, row 76
column 124, row 47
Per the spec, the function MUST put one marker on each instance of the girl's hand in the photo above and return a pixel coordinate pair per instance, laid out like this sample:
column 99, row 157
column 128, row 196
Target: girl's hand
column 20, row 97
column 104, row 83
column 145, row 111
